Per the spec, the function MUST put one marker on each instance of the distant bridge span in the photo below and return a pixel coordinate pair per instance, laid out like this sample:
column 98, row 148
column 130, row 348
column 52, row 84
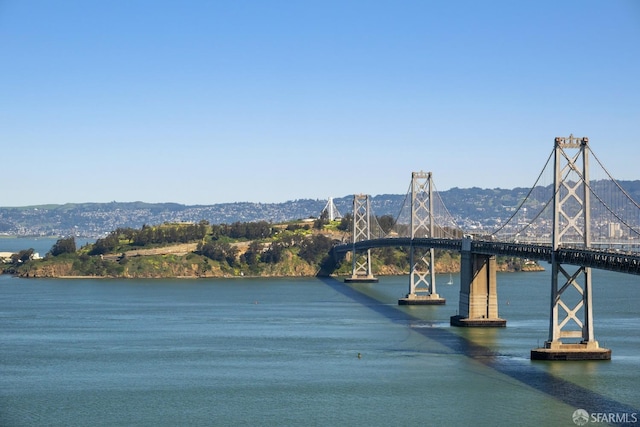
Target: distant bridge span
column 599, row 259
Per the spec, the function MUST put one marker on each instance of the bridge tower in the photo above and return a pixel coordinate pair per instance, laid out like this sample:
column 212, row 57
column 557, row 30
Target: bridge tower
column 571, row 299
column 331, row 210
column 361, row 270
column 422, row 285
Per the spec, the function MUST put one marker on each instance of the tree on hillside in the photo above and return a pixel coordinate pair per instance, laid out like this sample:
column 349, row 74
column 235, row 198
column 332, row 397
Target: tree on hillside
column 273, row 254
column 252, row 255
column 214, row 250
column 315, row 248
column 22, row 256
column 219, row 251
column 319, row 223
column 64, row 246
column 105, row 245
column 387, row 255
column 386, row 222
column 250, row 230
column 346, row 223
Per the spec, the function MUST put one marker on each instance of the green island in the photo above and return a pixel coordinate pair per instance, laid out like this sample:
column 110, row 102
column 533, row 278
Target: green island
column 242, row 249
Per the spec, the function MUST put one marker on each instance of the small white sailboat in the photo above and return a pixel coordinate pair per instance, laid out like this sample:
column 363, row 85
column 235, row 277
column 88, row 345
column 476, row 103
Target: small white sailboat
column 450, row 282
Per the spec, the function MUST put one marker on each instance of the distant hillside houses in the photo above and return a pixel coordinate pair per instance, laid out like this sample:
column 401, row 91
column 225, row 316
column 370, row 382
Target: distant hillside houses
column 473, row 208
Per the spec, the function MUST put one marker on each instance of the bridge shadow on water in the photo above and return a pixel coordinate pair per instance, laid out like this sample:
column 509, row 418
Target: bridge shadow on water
column 524, row 372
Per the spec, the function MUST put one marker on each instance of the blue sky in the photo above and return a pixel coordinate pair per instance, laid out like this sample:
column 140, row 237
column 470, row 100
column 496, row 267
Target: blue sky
column 203, row 102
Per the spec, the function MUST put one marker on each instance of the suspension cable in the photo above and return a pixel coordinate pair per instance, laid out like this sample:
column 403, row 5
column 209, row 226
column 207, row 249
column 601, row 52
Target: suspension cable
column 614, row 181
column 395, row 221
column 526, row 197
column 612, row 212
column 453, row 220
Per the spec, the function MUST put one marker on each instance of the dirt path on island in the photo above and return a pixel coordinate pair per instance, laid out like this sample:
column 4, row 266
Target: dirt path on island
column 180, row 250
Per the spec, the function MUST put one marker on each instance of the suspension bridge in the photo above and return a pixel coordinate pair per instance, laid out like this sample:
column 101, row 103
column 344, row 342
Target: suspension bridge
column 575, row 217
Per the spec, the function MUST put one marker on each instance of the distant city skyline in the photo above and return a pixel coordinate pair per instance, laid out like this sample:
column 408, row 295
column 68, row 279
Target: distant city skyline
column 204, row 102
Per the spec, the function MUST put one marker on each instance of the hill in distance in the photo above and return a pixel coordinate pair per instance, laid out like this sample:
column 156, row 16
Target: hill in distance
column 475, row 205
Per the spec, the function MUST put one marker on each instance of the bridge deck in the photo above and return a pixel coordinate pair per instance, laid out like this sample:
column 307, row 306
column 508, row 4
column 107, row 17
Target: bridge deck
column 601, row 259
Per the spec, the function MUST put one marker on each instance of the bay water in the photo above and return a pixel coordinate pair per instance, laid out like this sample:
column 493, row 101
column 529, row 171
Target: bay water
column 302, row 352
column 40, row 245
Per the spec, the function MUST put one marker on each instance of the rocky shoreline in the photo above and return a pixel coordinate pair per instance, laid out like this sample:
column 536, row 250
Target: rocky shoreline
column 66, row 272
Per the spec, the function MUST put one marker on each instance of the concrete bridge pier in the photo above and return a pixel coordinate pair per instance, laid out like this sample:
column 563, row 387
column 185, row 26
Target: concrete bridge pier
column 478, row 306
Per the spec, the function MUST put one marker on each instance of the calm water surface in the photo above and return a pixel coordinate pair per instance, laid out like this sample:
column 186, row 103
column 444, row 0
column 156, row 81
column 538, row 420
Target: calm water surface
column 280, row 352
column 41, row 245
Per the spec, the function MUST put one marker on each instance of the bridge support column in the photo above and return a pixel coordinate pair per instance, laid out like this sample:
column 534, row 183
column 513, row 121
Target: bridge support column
column 571, row 314
column 422, row 287
column 478, row 306
column 577, row 287
column 361, row 269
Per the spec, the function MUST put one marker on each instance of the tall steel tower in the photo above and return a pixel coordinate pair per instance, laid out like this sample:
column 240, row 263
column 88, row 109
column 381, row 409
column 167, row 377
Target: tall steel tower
column 422, row 286
column 571, row 316
column 361, row 269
